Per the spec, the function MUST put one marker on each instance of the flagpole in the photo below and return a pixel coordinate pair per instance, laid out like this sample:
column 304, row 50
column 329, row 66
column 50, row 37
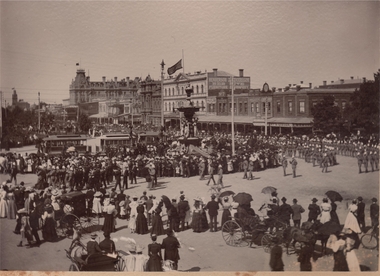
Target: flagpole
column 183, row 62
column 162, row 92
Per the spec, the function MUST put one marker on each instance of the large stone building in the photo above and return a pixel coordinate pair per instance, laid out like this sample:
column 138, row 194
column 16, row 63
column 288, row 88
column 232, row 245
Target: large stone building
column 150, row 94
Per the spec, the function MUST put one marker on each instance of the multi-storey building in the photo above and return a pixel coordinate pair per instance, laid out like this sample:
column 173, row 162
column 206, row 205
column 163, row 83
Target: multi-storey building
column 150, row 94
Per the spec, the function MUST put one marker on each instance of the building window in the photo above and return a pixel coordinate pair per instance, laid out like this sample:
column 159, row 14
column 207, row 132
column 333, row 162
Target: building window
column 202, row 89
column 302, row 107
column 182, row 90
column 245, row 107
column 290, row 106
column 343, row 105
column 202, row 104
column 220, row 107
column 197, row 89
column 314, row 104
column 197, row 104
column 257, row 108
column 166, row 106
column 240, row 107
column 170, row 106
column 252, row 108
column 263, row 109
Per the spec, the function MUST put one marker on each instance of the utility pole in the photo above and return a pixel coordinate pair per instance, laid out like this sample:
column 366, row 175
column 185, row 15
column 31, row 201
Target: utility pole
column 162, row 93
column 232, row 116
column 39, row 113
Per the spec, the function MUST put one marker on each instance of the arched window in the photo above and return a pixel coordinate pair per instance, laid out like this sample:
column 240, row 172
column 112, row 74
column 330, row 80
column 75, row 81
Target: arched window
column 197, row 104
column 202, row 89
column 182, row 90
column 170, row 107
column 197, row 89
column 202, row 103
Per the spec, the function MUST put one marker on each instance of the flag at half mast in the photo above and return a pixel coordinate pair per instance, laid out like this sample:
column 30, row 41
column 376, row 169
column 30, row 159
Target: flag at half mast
column 175, row 67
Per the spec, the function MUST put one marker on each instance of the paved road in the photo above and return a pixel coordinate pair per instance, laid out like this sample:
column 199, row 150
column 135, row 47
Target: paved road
column 211, row 253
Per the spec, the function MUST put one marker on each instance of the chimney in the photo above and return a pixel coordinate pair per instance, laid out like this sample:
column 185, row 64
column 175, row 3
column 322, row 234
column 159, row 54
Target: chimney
column 127, row 82
column 301, row 82
column 115, row 78
column 324, row 82
column 215, row 72
column 290, row 85
column 286, row 88
column 280, row 89
column 310, row 85
column 364, row 79
column 241, row 72
column 104, row 79
column 273, row 89
column 352, row 77
column 332, row 81
column 341, row 81
column 298, row 87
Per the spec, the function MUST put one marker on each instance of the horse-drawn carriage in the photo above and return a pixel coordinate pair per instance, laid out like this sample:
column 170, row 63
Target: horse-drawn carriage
column 81, row 261
column 75, row 215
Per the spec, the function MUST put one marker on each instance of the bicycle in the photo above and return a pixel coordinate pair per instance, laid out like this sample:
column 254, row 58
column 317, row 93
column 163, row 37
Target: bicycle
column 370, row 240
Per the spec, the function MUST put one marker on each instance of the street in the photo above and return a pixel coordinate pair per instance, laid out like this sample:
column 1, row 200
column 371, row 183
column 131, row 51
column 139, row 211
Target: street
column 211, row 252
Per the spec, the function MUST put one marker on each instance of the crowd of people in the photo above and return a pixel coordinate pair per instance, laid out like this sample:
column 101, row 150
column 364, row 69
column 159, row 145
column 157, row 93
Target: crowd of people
column 106, row 182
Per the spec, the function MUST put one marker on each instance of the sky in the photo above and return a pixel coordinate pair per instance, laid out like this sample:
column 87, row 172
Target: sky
column 274, row 42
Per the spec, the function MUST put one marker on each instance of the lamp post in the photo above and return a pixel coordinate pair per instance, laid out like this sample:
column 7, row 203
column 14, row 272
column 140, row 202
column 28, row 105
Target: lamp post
column 162, row 93
column 266, row 90
column 232, row 116
column 39, row 113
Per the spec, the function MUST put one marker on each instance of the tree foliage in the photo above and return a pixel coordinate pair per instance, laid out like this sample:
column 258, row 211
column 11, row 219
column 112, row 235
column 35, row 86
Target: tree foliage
column 84, row 123
column 362, row 112
column 327, row 116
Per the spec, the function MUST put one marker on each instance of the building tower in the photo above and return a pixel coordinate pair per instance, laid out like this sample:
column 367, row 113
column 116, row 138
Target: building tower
column 14, row 98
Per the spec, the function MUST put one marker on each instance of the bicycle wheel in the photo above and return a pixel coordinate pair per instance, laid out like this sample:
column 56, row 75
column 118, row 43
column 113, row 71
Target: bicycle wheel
column 89, row 222
column 232, row 233
column 120, row 265
column 266, row 243
column 369, row 241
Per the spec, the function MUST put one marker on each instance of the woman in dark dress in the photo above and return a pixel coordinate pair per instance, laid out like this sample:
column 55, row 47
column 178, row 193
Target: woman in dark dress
column 205, row 225
column 196, row 220
column 141, row 221
column 155, row 258
column 157, row 225
column 333, row 214
column 110, row 212
column 48, row 229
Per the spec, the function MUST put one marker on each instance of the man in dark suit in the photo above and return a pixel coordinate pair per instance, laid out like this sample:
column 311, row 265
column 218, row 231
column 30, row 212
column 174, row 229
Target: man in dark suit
column 183, row 207
column 149, row 205
column 284, row 212
column 171, row 244
column 284, row 164
column 314, row 211
column 360, row 213
column 374, row 212
column 34, row 225
column 211, row 172
column 213, row 207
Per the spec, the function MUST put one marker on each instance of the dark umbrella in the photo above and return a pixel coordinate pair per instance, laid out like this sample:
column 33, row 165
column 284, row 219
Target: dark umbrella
column 226, row 193
column 268, row 190
column 166, row 201
column 334, row 196
column 243, row 198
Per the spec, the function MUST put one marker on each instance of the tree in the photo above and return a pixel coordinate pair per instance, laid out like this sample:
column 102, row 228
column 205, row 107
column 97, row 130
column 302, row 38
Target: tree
column 84, row 123
column 327, row 117
column 363, row 108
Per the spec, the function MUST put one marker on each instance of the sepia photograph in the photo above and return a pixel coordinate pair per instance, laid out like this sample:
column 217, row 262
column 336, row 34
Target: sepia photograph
column 212, row 137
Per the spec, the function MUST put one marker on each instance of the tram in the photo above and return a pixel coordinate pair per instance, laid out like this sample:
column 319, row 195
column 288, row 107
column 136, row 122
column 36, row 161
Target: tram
column 58, row 144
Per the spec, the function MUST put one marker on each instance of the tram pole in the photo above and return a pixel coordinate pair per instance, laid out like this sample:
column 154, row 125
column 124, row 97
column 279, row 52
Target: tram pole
column 162, row 93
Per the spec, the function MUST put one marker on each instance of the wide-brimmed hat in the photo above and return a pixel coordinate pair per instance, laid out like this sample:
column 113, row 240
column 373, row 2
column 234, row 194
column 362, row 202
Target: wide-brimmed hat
column 374, row 199
column 98, row 193
column 93, row 235
column 139, row 249
column 360, row 198
column 314, row 200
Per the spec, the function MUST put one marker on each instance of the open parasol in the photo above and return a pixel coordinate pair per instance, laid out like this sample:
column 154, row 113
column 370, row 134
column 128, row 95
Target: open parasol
column 226, row 193
column 334, row 196
column 243, row 198
column 268, row 190
column 166, row 201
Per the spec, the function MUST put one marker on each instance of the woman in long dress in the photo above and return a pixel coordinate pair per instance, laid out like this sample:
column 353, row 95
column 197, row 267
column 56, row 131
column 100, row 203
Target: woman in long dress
column 155, row 258
column 157, row 225
column 141, row 221
column 337, row 243
column 196, row 222
column 352, row 259
column 133, row 215
column 325, row 211
column 351, row 220
column 226, row 215
column 333, row 214
column 110, row 214
column 4, row 201
column 96, row 204
column 48, row 229
column 12, row 208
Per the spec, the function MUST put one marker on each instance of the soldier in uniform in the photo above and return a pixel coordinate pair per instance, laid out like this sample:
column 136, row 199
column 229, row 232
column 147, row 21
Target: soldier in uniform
column 360, row 161
column 360, row 213
column 284, row 163
column 294, row 163
column 325, row 163
column 365, row 161
column 245, row 167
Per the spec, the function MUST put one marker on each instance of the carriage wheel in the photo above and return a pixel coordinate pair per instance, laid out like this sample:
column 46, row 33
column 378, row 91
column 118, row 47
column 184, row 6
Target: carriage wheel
column 120, row 265
column 73, row 267
column 232, row 233
column 266, row 243
column 89, row 222
column 369, row 241
column 69, row 222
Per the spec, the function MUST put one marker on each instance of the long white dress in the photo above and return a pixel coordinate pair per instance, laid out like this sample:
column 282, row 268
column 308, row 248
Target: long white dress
column 3, row 204
column 132, row 220
column 325, row 212
column 97, row 206
column 351, row 220
column 12, row 208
